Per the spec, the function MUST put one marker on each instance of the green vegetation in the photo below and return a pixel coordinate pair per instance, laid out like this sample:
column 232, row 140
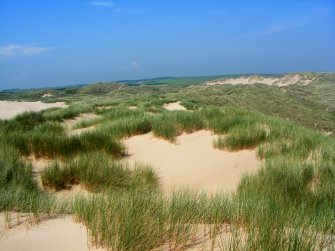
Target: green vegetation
column 67, row 113
column 97, row 172
column 19, row 191
column 168, row 125
column 50, row 139
column 287, row 205
column 311, row 106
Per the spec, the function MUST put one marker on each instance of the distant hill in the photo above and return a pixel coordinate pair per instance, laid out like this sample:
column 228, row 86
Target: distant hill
column 100, row 88
column 280, row 80
column 304, row 98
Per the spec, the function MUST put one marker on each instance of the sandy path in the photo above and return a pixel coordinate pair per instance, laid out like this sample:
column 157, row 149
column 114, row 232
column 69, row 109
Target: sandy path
column 69, row 123
column 9, row 109
column 192, row 162
column 51, row 235
column 176, row 106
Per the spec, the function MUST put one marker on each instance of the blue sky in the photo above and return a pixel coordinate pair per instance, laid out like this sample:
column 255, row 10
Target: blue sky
column 63, row 42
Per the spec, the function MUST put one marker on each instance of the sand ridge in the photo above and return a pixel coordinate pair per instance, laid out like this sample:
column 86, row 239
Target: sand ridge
column 9, row 109
column 284, row 80
column 192, row 162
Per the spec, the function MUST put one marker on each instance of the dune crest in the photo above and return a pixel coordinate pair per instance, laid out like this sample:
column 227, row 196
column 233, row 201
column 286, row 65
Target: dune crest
column 288, row 79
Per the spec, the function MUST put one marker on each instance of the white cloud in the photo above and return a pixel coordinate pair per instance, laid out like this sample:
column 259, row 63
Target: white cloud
column 113, row 7
column 135, row 64
column 273, row 29
column 102, row 4
column 283, row 26
column 27, row 50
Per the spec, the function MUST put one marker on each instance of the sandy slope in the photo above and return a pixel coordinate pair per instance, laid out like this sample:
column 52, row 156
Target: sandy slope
column 9, row 109
column 192, row 161
column 51, row 235
column 176, row 106
column 284, row 80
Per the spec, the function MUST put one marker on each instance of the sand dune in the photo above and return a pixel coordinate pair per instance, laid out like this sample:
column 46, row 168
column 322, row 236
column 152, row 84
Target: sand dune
column 9, row 109
column 284, row 80
column 176, row 106
column 52, row 235
column 192, row 162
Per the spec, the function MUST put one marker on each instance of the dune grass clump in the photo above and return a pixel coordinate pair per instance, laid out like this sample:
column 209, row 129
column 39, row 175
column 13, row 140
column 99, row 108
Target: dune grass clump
column 185, row 219
column 292, row 141
column 123, row 122
column 18, row 190
column 118, row 112
column 86, row 123
column 24, row 121
column 49, row 139
column 66, row 113
column 222, row 120
column 242, row 137
column 14, row 172
column 140, row 220
column 171, row 124
column 133, row 125
column 99, row 140
column 123, row 221
column 189, row 104
column 98, row 172
column 45, row 140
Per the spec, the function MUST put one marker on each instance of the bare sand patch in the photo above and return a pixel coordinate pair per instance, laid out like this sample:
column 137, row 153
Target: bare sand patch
column 81, row 130
column 72, row 192
column 192, row 162
column 105, row 107
column 84, row 116
column 9, row 109
column 70, row 123
column 46, row 95
column 60, row 233
column 176, row 106
column 284, row 80
column 38, row 166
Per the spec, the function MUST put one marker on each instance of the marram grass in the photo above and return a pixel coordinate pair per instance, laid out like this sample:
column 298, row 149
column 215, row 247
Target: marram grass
column 287, row 205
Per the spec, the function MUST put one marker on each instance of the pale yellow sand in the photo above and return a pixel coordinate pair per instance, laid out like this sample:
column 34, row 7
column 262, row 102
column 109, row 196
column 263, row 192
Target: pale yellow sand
column 176, row 106
column 192, row 162
column 9, row 109
column 51, row 235
column 45, row 95
column 288, row 79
